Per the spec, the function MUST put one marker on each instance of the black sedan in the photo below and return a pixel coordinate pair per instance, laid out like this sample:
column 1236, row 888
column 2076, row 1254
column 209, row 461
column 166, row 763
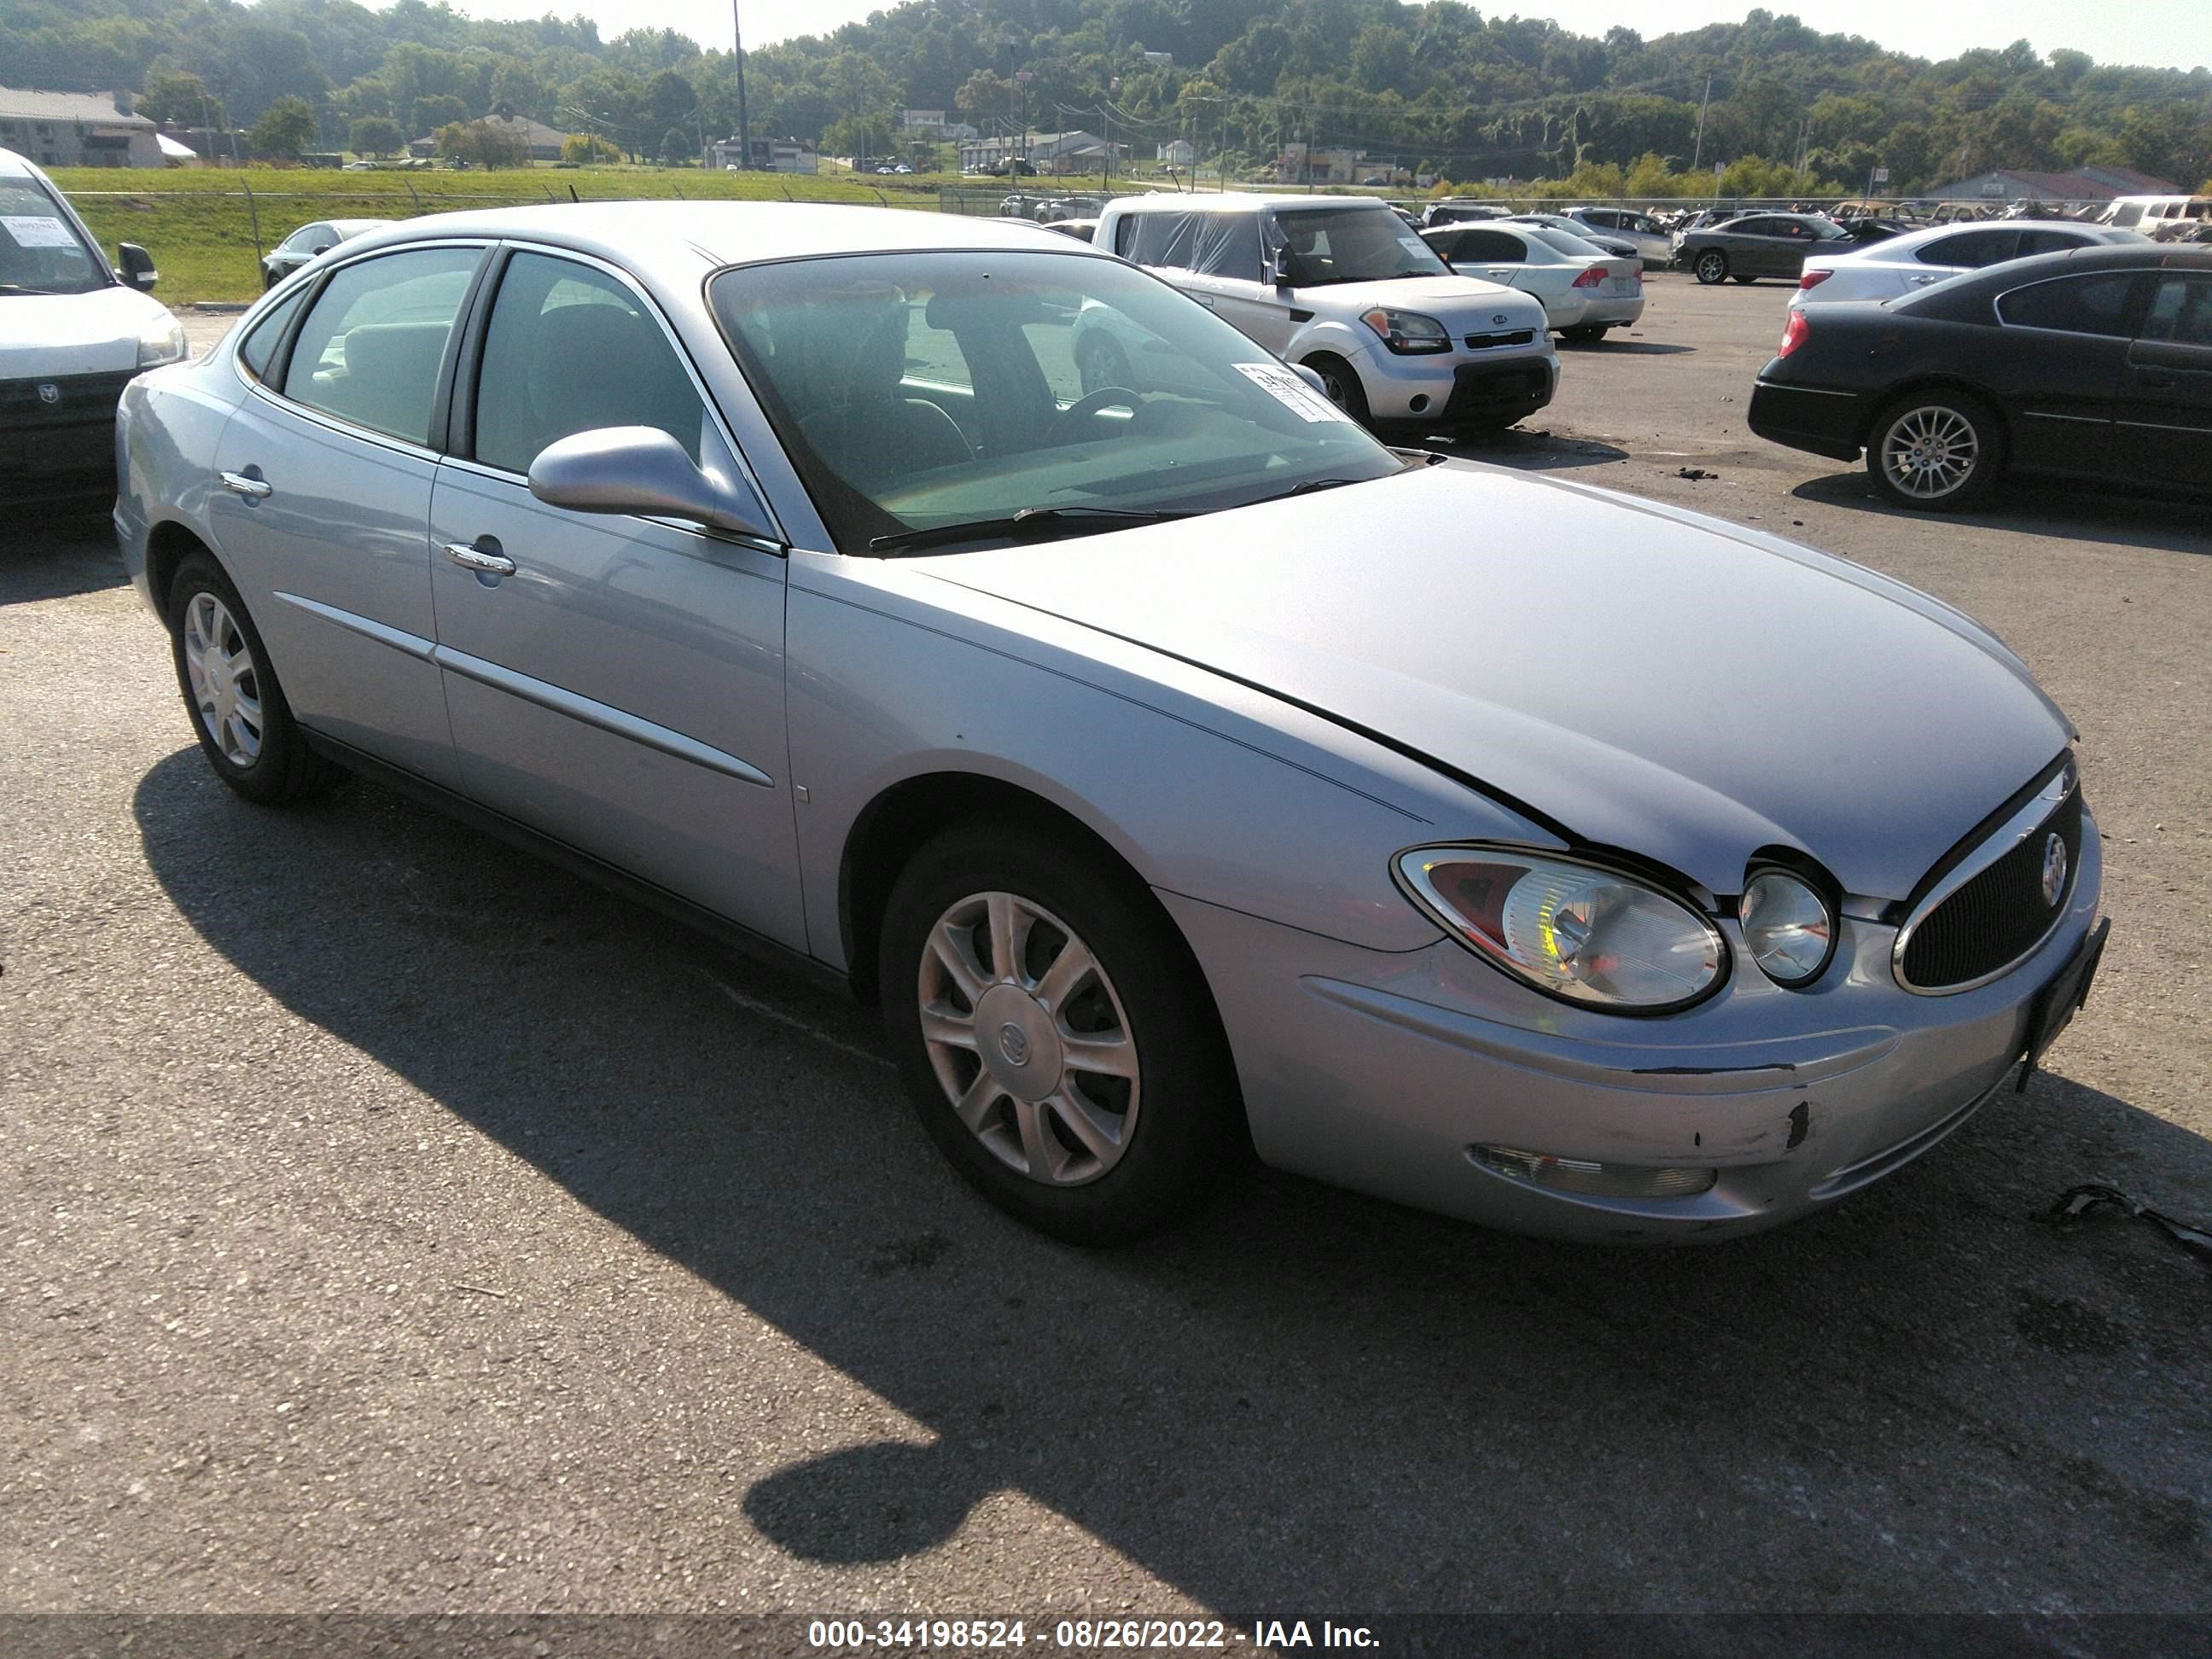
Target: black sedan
column 2093, row 364
column 1757, row 244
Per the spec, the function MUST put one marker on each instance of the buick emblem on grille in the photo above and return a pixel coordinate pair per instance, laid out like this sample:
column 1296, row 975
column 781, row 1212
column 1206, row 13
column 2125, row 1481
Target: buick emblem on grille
column 2054, row 868
column 49, row 392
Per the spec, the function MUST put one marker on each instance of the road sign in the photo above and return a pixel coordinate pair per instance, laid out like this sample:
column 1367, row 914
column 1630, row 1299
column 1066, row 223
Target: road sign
column 1882, row 175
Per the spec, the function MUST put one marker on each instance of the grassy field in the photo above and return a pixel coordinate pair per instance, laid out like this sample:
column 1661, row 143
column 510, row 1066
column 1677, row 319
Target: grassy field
column 200, row 225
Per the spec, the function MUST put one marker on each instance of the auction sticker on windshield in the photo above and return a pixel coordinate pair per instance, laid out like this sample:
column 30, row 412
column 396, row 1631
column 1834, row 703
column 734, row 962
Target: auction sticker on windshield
column 32, row 230
column 1293, row 393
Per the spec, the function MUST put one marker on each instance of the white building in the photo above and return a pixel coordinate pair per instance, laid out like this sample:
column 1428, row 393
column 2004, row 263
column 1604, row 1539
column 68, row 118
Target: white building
column 76, row 128
column 770, row 155
column 1177, row 153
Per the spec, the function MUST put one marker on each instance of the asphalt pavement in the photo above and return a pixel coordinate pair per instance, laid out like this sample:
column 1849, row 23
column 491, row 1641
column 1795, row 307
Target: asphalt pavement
column 394, row 1225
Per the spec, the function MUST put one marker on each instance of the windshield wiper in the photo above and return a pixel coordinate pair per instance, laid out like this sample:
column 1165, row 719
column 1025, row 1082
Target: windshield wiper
column 1031, row 524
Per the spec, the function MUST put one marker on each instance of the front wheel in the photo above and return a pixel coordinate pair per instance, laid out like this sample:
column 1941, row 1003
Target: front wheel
column 1341, row 383
column 238, row 713
column 1059, row 1042
column 1710, row 266
column 1937, row 452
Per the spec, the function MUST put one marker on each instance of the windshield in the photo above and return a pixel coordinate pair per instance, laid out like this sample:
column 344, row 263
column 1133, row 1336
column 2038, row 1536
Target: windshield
column 919, row 391
column 40, row 251
column 1353, row 245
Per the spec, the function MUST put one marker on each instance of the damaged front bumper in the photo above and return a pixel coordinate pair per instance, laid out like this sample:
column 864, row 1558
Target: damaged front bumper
column 1429, row 1078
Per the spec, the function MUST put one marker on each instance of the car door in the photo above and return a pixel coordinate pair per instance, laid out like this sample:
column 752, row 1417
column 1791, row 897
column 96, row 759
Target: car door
column 2063, row 350
column 323, row 519
column 1494, row 256
column 615, row 682
column 2165, row 413
column 1965, row 250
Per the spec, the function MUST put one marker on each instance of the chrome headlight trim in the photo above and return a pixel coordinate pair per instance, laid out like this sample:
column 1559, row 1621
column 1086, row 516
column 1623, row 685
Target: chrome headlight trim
column 2004, row 839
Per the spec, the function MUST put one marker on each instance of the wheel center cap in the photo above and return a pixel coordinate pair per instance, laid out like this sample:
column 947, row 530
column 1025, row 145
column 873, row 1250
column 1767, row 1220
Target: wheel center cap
column 1017, row 1042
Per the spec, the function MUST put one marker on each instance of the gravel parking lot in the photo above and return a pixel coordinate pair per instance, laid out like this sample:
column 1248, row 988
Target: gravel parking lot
column 395, row 1224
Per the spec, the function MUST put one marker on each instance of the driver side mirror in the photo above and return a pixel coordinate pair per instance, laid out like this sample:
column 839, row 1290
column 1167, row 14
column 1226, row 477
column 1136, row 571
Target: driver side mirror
column 136, row 266
column 641, row 469
column 1282, row 267
column 1312, row 378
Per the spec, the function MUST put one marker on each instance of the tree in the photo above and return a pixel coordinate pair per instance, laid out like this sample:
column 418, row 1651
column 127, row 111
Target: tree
column 675, row 145
column 439, row 109
column 180, row 96
column 587, row 149
column 286, row 127
column 376, row 135
column 481, row 143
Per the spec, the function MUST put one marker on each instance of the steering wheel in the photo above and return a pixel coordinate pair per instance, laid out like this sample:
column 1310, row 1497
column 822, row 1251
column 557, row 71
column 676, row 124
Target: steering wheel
column 1107, row 397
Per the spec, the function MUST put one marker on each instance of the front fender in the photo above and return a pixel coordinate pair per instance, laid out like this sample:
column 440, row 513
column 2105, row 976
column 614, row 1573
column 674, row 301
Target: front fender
column 1204, row 787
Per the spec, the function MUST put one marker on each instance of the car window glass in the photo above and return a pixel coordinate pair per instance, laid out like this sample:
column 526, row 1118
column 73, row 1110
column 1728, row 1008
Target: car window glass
column 39, row 250
column 1496, row 247
column 571, row 349
column 1164, row 239
column 261, row 345
column 1970, row 248
column 1228, row 244
column 305, row 238
column 2181, row 312
column 2076, row 305
column 369, row 351
column 2048, row 242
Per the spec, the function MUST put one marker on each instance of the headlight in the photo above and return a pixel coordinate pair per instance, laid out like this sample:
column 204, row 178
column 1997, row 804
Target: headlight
column 1578, row 931
column 1786, row 927
column 161, row 341
column 1408, row 332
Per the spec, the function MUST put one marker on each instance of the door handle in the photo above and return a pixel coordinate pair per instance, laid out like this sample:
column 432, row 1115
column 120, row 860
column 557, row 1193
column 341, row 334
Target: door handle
column 488, row 561
column 240, row 484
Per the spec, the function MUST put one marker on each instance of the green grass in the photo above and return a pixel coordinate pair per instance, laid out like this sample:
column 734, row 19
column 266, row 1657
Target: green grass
column 200, row 225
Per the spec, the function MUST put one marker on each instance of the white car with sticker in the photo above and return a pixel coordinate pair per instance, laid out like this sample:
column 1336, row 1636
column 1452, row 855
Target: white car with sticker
column 1338, row 285
column 73, row 330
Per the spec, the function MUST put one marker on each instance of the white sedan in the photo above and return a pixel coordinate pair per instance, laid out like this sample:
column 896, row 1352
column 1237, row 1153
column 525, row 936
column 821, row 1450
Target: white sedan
column 1584, row 289
column 1887, row 269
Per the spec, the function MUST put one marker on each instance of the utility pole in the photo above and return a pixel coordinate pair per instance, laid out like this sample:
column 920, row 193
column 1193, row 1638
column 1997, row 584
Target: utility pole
column 744, row 125
column 1699, row 153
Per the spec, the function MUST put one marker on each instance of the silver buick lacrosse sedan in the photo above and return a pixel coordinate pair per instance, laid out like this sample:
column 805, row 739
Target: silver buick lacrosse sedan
column 1186, row 775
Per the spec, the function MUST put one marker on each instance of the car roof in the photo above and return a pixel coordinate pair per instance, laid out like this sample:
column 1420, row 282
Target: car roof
column 1235, row 202
column 1927, row 234
column 673, row 236
column 2074, row 261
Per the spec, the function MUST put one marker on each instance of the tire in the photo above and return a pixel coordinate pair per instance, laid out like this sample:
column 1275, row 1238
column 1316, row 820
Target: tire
column 1583, row 334
column 1161, row 1134
column 1747, row 281
column 1937, row 424
column 1101, row 362
column 1710, row 267
column 238, row 713
column 1342, row 384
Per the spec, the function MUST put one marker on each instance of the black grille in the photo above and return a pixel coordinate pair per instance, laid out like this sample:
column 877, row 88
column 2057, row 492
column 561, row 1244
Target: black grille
column 77, row 400
column 1511, row 337
column 2000, row 915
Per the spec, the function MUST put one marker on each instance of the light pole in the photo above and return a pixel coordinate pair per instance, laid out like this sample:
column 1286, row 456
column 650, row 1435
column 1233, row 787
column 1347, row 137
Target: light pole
column 744, row 123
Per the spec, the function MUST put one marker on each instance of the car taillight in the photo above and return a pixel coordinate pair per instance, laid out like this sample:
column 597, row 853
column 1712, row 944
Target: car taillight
column 1793, row 333
column 1594, row 277
column 1814, row 279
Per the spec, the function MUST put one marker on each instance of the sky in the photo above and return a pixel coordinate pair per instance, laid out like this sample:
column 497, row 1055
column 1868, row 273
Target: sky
column 2171, row 34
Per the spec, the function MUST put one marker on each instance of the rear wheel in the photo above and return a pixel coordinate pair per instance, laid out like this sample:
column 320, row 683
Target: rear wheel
column 1936, row 450
column 1583, row 333
column 1057, row 1040
column 1710, row 266
column 1342, row 385
column 238, row 713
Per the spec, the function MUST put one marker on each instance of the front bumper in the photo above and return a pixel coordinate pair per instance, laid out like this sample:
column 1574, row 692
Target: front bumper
column 58, row 437
column 1824, row 421
column 1382, row 1071
column 1463, row 389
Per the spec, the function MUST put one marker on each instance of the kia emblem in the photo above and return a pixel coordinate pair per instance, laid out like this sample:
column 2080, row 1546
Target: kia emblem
column 2054, row 868
column 49, row 392
column 1497, row 317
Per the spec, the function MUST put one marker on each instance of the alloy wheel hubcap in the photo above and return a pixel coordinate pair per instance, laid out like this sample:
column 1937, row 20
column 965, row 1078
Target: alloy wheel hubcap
column 1930, row 452
column 1028, row 1039
column 226, row 685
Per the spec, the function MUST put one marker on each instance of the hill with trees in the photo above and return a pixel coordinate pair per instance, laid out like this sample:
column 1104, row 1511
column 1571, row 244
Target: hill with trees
column 1439, row 87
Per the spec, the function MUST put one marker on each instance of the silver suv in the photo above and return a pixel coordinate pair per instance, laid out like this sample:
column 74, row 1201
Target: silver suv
column 1343, row 287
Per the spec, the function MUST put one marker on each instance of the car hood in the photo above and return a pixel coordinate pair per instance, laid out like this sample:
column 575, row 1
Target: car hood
column 52, row 334
column 1458, row 303
column 1651, row 679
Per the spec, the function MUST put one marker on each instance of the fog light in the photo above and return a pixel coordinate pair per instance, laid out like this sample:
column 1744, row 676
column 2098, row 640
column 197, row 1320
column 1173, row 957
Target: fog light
column 1575, row 1175
column 1419, row 403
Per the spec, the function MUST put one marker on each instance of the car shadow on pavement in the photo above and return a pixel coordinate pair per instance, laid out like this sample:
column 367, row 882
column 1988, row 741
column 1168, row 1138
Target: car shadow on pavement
column 2036, row 509
column 1301, row 1398
column 1531, row 450
column 51, row 553
column 1629, row 348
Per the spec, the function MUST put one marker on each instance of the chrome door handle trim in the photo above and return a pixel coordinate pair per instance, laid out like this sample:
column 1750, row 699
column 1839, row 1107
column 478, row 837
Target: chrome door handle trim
column 253, row 488
column 475, row 558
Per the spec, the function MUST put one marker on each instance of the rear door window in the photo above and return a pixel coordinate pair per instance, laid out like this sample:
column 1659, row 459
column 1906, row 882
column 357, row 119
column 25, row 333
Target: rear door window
column 1496, row 247
column 370, row 351
column 2072, row 305
column 1970, row 248
column 1162, row 240
column 2180, row 311
column 2048, row 241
